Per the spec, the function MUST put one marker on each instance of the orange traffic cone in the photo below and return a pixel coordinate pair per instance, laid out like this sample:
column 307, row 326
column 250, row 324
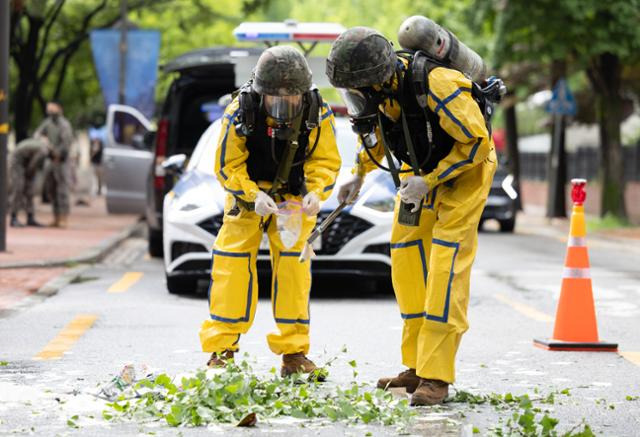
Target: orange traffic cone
column 576, row 328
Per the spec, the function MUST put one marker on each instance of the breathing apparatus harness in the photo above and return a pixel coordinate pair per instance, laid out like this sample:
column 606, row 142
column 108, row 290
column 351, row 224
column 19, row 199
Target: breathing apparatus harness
column 416, row 79
column 250, row 103
column 486, row 96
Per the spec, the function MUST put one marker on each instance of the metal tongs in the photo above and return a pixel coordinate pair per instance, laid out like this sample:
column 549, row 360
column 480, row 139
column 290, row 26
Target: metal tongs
column 308, row 252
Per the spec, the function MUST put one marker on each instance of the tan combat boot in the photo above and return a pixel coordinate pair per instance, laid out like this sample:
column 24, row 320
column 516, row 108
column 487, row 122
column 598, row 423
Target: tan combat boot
column 299, row 363
column 56, row 221
column 63, row 221
column 430, row 392
column 407, row 379
column 220, row 359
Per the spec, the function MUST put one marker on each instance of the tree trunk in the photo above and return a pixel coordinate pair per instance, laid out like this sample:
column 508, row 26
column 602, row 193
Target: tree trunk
column 606, row 77
column 557, row 163
column 511, row 128
column 24, row 93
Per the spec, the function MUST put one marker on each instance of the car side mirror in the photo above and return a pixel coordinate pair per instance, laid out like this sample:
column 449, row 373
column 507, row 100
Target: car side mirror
column 137, row 141
column 174, row 164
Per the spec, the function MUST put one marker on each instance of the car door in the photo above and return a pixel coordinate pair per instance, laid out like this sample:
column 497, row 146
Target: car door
column 127, row 159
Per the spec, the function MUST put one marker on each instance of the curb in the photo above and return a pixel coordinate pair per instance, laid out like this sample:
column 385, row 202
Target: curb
column 90, row 256
column 49, row 289
column 592, row 239
column 54, row 285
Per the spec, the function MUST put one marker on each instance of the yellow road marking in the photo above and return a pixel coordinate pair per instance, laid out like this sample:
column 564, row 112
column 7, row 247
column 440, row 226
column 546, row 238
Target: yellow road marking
column 524, row 309
column 67, row 337
column 124, row 283
column 634, row 357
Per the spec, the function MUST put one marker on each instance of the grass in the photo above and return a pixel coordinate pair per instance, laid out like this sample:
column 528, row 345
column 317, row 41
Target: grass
column 605, row 223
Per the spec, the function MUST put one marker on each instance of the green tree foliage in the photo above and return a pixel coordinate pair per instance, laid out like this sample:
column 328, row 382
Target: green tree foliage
column 45, row 36
column 51, row 56
column 589, row 35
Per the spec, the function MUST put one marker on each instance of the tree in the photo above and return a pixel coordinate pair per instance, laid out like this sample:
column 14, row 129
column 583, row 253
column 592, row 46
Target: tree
column 599, row 37
column 614, row 41
column 45, row 37
column 52, row 58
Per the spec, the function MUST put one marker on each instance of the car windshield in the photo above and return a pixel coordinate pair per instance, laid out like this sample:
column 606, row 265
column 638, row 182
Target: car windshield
column 204, row 155
column 203, row 158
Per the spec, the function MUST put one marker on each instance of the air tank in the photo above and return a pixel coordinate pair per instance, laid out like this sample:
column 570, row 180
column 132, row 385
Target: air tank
column 421, row 33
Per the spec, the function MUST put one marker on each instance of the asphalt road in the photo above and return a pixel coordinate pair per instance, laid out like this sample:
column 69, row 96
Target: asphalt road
column 515, row 285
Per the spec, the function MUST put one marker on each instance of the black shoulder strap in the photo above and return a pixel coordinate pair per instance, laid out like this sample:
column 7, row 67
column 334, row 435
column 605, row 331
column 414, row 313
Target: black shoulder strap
column 421, row 65
column 313, row 103
column 248, row 105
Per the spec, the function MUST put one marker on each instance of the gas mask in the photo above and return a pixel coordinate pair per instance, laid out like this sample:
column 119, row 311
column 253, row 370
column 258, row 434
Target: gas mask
column 283, row 110
column 362, row 107
column 55, row 116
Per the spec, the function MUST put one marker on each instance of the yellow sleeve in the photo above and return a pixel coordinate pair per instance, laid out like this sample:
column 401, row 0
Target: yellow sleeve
column 323, row 166
column 231, row 157
column 460, row 116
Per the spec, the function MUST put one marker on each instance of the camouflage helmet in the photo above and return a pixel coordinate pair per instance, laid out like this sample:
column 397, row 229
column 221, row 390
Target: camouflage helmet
column 360, row 57
column 282, row 71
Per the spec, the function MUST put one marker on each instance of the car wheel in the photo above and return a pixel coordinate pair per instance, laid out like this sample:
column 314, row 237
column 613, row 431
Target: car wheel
column 155, row 243
column 177, row 285
column 508, row 225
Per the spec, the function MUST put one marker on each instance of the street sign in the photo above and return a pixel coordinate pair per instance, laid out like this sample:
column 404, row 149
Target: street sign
column 562, row 101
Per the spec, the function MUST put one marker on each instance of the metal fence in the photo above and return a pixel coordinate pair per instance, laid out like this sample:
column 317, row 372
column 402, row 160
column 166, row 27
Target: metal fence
column 583, row 163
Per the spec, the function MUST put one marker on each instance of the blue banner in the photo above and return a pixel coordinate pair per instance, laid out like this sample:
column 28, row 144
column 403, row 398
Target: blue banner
column 143, row 48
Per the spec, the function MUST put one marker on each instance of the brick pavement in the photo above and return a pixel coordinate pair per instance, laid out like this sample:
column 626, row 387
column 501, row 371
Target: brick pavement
column 89, row 227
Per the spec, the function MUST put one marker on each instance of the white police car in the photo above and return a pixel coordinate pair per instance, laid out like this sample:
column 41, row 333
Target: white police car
column 356, row 243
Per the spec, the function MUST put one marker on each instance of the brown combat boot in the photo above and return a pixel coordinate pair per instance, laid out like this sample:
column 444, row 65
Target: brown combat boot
column 299, row 363
column 220, row 359
column 430, row 392
column 63, row 221
column 56, row 221
column 407, row 379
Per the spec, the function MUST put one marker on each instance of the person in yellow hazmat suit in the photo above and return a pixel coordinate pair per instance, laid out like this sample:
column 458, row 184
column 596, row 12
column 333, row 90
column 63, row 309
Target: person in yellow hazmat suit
column 277, row 159
column 424, row 116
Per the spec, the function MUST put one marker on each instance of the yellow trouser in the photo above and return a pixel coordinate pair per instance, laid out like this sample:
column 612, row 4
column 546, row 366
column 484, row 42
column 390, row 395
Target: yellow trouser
column 431, row 267
column 233, row 292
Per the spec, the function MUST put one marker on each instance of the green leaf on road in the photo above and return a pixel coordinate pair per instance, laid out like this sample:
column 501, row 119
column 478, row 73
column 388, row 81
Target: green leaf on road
column 71, row 422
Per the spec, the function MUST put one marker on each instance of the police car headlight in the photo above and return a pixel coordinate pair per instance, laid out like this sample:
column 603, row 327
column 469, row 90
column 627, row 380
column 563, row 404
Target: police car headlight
column 385, row 204
column 507, row 186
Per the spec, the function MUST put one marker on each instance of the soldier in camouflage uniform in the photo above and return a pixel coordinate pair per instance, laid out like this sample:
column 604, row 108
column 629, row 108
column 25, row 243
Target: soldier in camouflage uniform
column 28, row 156
column 56, row 130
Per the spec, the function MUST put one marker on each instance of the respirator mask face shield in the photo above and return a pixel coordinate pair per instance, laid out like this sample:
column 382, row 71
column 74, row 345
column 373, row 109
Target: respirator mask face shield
column 362, row 107
column 283, row 109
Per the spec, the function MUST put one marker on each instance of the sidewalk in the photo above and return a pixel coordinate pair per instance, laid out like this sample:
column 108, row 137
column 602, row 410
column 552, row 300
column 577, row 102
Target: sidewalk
column 36, row 256
column 533, row 221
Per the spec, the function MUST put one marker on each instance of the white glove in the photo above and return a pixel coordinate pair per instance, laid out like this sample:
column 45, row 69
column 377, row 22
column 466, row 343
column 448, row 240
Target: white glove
column 265, row 205
column 349, row 190
column 412, row 190
column 311, row 204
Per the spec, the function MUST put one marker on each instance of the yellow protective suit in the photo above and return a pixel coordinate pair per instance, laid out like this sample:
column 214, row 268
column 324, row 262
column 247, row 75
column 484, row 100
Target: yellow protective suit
column 431, row 263
column 233, row 292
